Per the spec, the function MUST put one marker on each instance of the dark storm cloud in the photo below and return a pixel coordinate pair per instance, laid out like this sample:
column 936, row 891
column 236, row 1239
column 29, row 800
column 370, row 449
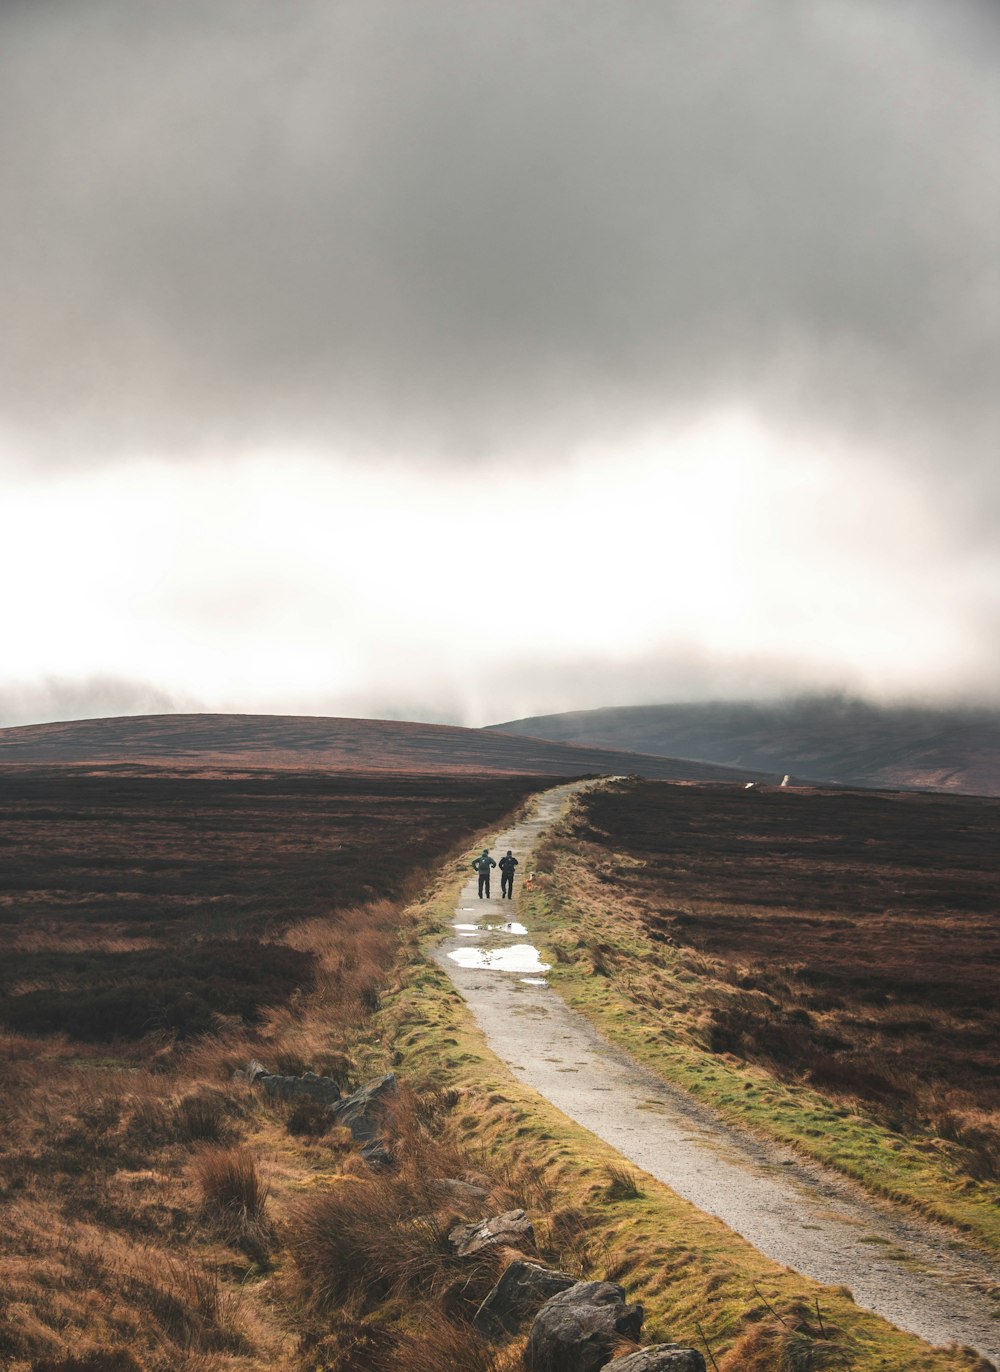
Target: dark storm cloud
column 445, row 228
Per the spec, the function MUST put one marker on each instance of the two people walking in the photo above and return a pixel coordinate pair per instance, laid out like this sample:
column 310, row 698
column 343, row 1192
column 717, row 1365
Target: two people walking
column 483, row 865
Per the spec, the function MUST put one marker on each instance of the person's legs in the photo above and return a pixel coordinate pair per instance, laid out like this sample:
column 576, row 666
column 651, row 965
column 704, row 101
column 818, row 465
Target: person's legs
column 504, row 885
column 484, row 880
column 510, row 887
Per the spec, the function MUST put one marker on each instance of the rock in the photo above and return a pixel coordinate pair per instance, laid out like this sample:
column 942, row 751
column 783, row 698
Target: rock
column 376, row 1154
column 251, row 1072
column 512, row 1228
column 660, row 1357
column 520, row 1293
column 322, row 1089
column 577, row 1330
column 363, row 1111
column 461, row 1194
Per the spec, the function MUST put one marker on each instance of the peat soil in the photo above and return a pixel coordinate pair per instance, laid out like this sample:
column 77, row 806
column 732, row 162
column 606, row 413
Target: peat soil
column 916, row 1274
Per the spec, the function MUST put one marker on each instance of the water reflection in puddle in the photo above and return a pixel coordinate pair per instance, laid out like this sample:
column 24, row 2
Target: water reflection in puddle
column 519, row 957
column 466, row 928
column 512, row 927
column 533, row 981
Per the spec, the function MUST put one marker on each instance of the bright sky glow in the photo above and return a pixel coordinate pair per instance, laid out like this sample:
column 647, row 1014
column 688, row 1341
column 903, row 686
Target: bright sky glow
column 280, row 581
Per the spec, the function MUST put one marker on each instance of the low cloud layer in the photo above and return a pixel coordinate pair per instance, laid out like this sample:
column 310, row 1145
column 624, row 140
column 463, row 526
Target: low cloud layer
column 341, row 255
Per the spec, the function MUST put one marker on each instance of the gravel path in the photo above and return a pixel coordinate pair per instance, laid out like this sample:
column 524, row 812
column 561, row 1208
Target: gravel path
column 914, row 1273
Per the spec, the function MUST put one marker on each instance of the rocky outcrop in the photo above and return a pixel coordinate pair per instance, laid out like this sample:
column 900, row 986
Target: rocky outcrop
column 578, row 1330
column 512, row 1229
column 661, row 1357
column 517, row 1297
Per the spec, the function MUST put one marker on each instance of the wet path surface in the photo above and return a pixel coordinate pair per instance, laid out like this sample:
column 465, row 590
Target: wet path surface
column 914, row 1273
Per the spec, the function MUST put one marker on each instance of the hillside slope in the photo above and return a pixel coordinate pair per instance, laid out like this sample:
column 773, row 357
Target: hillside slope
column 848, row 742
column 228, row 742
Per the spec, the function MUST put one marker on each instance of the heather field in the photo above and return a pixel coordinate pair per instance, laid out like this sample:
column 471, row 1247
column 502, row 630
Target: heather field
column 157, row 904
column 156, row 931
column 847, row 940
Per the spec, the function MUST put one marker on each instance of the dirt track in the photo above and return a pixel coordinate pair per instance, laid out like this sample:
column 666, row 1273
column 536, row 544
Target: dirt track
column 914, row 1273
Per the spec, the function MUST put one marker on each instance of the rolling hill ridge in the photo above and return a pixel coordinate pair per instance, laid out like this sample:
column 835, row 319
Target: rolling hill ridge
column 222, row 742
column 847, row 742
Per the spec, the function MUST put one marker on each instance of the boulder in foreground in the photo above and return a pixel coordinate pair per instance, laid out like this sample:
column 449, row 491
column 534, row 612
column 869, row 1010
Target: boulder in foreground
column 578, row 1330
column 520, row 1293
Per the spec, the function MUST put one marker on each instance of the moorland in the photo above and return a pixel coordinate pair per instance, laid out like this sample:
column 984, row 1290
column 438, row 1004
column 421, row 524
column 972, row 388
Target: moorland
column 156, row 933
column 160, row 927
column 846, row 942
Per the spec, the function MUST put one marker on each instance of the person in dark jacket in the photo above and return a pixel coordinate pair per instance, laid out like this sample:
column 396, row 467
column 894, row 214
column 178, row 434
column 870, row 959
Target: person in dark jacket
column 482, row 865
column 507, row 865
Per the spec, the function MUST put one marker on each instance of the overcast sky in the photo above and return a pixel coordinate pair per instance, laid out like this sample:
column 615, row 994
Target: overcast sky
column 461, row 361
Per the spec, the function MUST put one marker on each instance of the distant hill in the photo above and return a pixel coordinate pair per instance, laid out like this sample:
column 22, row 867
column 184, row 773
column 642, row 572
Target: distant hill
column 843, row 741
column 296, row 742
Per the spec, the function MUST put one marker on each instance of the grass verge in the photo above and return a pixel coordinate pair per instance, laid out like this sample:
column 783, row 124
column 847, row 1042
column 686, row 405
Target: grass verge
column 698, row 1282
column 653, row 999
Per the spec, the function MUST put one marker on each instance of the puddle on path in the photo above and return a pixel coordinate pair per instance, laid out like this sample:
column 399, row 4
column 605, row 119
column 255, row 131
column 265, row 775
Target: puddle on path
column 918, row 1275
column 519, row 957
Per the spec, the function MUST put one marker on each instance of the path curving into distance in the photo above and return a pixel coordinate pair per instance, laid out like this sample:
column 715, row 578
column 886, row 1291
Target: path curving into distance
column 916, row 1274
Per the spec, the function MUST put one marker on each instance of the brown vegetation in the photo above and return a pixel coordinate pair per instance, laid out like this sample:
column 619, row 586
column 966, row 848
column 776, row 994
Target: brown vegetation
column 137, row 906
column 142, row 1190
column 850, row 940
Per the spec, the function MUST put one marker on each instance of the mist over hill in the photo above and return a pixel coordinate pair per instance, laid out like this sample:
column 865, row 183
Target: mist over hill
column 823, row 738
column 302, row 742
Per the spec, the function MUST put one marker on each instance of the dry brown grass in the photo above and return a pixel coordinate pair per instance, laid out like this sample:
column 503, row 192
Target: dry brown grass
column 370, row 1237
column 234, row 1195
column 434, row 1343
column 133, row 1209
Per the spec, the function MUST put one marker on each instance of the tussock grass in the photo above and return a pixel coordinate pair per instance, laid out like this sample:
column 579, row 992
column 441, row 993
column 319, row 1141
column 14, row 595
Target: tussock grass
column 622, row 1183
column 369, row 1237
column 434, row 1343
column 230, row 1183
